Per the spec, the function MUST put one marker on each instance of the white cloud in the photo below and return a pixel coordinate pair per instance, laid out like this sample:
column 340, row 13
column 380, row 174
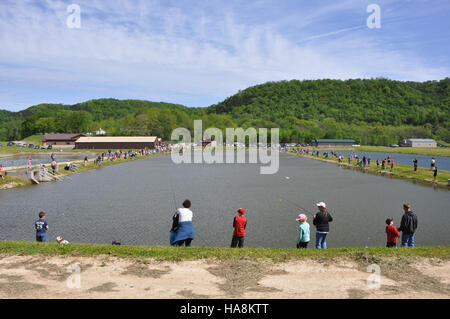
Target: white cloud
column 153, row 51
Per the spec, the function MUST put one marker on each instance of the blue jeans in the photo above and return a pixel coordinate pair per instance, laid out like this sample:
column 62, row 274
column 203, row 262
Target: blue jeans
column 407, row 240
column 321, row 240
column 41, row 237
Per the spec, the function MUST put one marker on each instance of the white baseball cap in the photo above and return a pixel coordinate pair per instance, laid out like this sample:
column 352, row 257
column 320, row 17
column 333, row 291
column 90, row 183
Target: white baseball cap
column 321, row 204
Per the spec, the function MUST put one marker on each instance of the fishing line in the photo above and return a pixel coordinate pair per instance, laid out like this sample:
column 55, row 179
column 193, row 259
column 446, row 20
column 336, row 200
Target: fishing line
column 297, row 206
column 173, row 194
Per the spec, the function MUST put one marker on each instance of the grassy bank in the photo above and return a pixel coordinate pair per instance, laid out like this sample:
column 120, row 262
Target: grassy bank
column 193, row 253
column 90, row 164
column 13, row 182
column 430, row 151
column 422, row 175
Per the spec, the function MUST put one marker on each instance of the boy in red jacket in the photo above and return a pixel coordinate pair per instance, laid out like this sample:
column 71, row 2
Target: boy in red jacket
column 392, row 233
column 239, row 224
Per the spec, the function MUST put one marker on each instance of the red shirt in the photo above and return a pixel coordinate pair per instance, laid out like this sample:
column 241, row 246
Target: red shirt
column 392, row 234
column 239, row 224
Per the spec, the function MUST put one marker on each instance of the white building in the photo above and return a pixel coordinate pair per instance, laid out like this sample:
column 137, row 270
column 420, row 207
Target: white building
column 100, row 132
column 420, row 142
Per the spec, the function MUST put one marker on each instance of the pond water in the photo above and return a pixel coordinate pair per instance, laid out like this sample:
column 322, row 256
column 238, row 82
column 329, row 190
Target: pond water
column 38, row 159
column 133, row 203
column 442, row 162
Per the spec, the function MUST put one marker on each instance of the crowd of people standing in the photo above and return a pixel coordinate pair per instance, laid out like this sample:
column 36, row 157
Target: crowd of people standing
column 182, row 230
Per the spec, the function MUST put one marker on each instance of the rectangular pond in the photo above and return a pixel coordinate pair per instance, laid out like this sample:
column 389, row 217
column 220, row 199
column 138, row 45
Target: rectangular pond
column 133, row 203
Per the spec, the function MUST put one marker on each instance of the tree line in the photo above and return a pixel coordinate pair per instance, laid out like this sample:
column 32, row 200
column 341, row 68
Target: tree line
column 371, row 111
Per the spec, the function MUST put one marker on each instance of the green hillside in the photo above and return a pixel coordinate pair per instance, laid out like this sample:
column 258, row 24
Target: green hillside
column 373, row 112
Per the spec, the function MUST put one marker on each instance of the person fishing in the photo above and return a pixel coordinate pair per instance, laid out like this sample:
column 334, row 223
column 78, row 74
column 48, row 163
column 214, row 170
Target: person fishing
column 408, row 226
column 239, row 225
column 41, row 226
column 321, row 220
column 184, row 228
column 303, row 231
column 173, row 230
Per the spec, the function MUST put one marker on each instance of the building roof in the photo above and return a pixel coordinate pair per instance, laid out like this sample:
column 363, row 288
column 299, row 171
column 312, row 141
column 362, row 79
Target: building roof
column 421, row 140
column 334, row 141
column 61, row 137
column 117, row 139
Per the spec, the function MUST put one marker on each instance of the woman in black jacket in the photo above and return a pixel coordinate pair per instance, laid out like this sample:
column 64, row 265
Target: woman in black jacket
column 321, row 220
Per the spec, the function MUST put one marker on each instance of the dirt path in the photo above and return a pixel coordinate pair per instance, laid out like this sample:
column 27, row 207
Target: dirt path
column 109, row 277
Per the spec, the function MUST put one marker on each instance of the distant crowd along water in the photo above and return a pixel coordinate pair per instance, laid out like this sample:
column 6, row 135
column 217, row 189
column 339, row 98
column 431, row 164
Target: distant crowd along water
column 362, row 161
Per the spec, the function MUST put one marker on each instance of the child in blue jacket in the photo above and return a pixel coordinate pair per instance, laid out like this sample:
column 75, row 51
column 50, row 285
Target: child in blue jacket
column 303, row 231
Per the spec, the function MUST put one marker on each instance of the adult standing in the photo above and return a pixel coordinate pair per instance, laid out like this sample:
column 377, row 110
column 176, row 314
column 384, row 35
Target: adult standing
column 185, row 229
column 433, row 163
column 415, row 164
column 321, row 220
column 54, row 167
column 408, row 226
column 29, row 162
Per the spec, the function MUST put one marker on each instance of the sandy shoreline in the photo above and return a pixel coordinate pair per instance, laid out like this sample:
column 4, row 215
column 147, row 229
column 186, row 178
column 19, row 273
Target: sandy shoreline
column 111, row 277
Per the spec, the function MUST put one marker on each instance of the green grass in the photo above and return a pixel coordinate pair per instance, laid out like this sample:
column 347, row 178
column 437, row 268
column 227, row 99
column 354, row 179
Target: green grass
column 194, row 253
column 13, row 182
column 34, row 139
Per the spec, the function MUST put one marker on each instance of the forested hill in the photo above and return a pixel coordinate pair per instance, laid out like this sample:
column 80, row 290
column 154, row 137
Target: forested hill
column 341, row 109
column 376, row 111
column 378, row 101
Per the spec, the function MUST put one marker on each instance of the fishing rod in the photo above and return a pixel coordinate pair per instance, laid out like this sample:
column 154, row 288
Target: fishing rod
column 173, row 194
column 297, row 206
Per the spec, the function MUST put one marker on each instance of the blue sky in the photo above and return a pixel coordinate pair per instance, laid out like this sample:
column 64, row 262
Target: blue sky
column 197, row 53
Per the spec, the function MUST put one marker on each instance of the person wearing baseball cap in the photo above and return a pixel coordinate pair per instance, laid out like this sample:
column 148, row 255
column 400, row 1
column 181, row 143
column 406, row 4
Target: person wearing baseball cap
column 303, row 231
column 321, row 220
column 239, row 224
column 392, row 233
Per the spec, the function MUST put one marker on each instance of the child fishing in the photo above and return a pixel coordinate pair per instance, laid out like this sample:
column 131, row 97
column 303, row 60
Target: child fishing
column 391, row 233
column 239, row 224
column 303, row 231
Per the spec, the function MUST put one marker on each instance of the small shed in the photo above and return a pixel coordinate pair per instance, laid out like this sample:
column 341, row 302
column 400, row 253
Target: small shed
column 61, row 138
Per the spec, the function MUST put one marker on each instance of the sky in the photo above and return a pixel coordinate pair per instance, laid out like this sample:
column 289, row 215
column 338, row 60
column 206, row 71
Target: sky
column 197, row 53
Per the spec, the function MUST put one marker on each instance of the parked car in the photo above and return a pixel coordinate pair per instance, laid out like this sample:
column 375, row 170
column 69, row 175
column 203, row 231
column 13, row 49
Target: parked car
column 49, row 147
column 37, row 147
column 30, row 146
column 10, row 143
column 1, row 144
column 43, row 147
